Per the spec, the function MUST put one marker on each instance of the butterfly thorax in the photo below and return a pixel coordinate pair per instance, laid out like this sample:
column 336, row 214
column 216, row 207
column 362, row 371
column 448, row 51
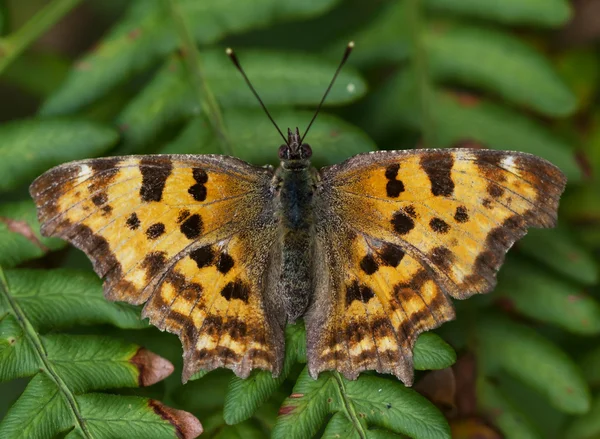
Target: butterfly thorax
column 295, row 182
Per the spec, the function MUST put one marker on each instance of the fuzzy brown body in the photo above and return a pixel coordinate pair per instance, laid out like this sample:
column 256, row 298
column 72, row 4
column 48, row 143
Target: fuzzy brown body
column 294, row 189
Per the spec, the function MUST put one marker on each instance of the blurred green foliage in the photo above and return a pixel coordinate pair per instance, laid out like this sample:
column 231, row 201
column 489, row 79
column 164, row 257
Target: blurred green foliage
column 429, row 73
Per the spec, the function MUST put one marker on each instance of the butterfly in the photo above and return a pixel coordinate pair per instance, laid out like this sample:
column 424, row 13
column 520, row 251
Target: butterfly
column 368, row 252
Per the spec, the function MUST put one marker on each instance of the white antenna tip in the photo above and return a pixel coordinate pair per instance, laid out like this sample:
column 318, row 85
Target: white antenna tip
column 351, row 44
column 229, row 51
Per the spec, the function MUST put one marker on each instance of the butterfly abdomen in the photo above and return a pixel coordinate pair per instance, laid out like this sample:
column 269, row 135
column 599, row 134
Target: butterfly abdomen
column 296, row 232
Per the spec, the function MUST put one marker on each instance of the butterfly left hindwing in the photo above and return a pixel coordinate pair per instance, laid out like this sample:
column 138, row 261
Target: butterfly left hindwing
column 189, row 235
column 399, row 232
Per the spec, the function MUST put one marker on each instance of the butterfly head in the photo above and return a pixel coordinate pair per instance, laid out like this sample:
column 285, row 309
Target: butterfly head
column 295, row 152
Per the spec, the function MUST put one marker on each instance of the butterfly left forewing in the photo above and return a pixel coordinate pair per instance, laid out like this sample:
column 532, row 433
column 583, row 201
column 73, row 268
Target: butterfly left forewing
column 453, row 214
column 189, row 235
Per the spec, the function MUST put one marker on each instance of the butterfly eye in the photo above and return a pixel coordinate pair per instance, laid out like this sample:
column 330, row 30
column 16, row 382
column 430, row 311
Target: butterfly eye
column 305, row 151
column 284, row 152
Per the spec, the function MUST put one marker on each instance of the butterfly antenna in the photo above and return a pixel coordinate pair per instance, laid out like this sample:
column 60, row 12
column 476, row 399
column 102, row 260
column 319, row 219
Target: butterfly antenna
column 230, row 53
column 349, row 48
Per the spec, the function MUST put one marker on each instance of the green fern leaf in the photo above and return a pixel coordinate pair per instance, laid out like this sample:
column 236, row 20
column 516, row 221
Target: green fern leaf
column 509, row 420
column 590, row 365
column 465, row 55
column 432, row 353
column 244, row 396
column 586, row 426
column 52, row 414
column 17, row 357
column 63, row 298
column 147, row 33
column 538, row 294
column 20, row 239
column 111, row 416
column 497, row 62
column 48, row 143
column 66, row 367
column 282, row 79
column 216, row 428
column 559, row 251
column 459, row 117
column 534, row 360
column 580, row 70
column 550, row 13
column 368, row 402
column 340, row 426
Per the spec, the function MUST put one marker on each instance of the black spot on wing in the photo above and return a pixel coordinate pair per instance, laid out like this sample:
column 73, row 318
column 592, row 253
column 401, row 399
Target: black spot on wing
column 198, row 190
column 438, row 225
column 461, row 215
column 190, row 291
column 192, row 227
column 368, row 264
column 394, row 188
column 494, row 190
column 155, row 230
column 154, row 263
column 104, row 172
column 199, row 175
column 225, row 263
column 155, row 172
column 203, row 256
column 212, row 325
column 100, row 199
column 402, row 223
column 391, row 255
column 356, row 291
column 133, row 222
column 236, row 290
column 391, row 172
column 106, row 165
column 438, row 167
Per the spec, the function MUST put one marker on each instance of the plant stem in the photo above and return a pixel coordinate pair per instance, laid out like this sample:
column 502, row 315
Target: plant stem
column 421, row 73
column 203, row 92
column 349, row 406
column 46, row 365
column 14, row 44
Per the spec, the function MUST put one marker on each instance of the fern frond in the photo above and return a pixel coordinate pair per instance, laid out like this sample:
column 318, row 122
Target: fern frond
column 66, row 368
